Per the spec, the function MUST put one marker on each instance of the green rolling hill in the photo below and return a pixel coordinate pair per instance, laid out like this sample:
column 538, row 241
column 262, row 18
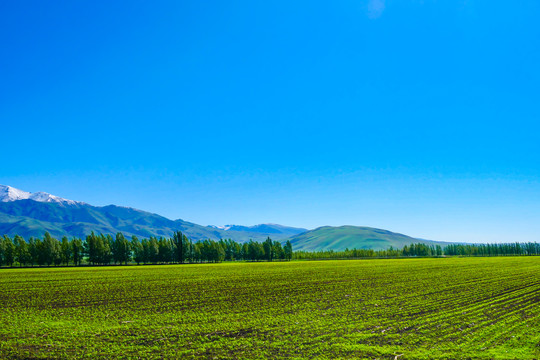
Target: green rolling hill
column 351, row 237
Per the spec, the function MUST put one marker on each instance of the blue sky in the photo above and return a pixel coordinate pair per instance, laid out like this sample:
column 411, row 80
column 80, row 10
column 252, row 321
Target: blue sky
column 420, row 117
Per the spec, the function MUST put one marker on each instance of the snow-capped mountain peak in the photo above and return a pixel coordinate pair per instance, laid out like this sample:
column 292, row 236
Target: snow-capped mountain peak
column 9, row 193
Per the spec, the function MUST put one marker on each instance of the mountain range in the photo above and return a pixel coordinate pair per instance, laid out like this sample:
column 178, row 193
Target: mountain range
column 32, row 214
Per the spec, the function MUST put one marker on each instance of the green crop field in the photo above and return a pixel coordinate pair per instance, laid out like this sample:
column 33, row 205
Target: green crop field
column 452, row 308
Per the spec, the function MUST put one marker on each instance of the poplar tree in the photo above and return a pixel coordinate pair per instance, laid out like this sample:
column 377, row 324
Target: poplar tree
column 288, row 250
column 121, row 249
column 65, row 250
column 268, row 251
column 51, row 250
column 77, row 251
column 178, row 241
column 138, row 250
column 2, row 251
column 33, row 250
column 9, row 251
column 91, row 248
column 277, row 250
column 21, row 250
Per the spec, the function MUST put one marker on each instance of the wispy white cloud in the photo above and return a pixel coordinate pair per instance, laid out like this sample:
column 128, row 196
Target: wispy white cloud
column 375, row 8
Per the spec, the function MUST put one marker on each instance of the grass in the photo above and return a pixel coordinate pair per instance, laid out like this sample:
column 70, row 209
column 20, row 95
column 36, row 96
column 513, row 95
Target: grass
column 453, row 308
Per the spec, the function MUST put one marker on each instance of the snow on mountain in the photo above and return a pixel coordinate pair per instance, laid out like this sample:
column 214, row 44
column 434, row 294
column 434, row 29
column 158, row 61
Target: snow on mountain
column 221, row 227
column 8, row 193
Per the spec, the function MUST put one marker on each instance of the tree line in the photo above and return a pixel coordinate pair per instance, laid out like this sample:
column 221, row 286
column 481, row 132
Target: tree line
column 424, row 250
column 105, row 249
column 505, row 249
column 100, row 249
column 418, row 249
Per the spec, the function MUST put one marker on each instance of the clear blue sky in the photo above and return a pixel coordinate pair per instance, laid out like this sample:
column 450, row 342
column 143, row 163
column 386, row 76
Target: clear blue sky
column 420, row 117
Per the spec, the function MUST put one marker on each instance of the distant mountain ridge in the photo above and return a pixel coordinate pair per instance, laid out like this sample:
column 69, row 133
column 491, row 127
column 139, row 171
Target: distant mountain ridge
column 26, row 214
column 8, row 194
column 262, row 228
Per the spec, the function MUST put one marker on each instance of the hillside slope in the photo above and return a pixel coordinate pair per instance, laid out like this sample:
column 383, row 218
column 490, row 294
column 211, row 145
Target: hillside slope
column 351, row 237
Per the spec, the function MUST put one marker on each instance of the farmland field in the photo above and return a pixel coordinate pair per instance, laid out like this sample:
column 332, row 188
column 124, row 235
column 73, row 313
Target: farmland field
column 454, row 308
